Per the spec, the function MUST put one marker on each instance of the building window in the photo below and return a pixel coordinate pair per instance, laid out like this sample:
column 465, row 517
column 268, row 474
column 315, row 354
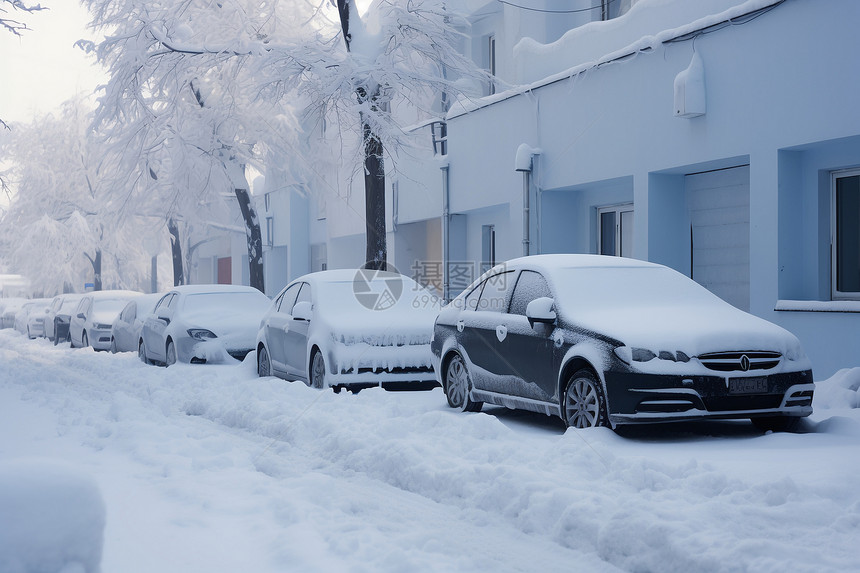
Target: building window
column 610, row 9
column 845, row 234
column 615, row 230
column 267, row 201
column 488, row 247
column 491, row 63
column 270, row 231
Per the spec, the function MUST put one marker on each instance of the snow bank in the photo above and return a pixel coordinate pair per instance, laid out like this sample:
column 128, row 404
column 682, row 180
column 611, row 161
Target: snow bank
column 52, row 518
column 842, row 390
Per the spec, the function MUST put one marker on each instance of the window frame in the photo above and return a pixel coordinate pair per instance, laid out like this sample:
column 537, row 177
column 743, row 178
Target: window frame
column 619, row 209
column 836, row 294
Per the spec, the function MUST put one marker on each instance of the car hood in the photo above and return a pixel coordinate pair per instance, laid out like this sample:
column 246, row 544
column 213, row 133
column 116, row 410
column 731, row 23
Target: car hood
column 692, row 329
column 235, row 329
column 103, row 316
column 392, row 327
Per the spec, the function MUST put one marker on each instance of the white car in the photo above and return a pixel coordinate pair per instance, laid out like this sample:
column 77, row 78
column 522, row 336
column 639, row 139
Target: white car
column 347, row 328
column 60, row 317
column 93, row 318
column 125, row 333
column 11, row 306
column 202, row 323
column 30, row 318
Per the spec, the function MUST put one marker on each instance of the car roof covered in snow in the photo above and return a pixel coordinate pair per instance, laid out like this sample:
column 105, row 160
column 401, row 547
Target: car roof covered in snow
column 212, row 288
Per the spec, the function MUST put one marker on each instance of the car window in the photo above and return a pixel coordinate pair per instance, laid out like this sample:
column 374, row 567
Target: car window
column 530, row 285
column 470, row 302
column 494, row 297
column 304, row 294
column 171, row 302
column 163, row 302
column 288, row 299
column 127, row 314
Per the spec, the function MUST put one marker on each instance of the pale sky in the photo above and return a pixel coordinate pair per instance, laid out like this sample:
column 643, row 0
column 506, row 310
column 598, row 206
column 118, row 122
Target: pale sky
column 42, row 69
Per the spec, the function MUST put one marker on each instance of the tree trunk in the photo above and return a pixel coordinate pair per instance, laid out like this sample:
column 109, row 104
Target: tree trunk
column 255, row 238
column 374, row 201
column 97, row 270
column 176, row 251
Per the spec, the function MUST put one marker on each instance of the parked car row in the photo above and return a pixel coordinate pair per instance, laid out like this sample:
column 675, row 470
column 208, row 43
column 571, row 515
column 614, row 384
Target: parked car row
column 594, row 340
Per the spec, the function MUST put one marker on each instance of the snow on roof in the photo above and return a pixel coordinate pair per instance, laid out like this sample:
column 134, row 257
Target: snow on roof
column 645, row 26
column 211, row 288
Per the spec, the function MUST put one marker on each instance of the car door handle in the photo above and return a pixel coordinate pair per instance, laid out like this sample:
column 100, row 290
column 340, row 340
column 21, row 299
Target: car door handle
column 461, row 325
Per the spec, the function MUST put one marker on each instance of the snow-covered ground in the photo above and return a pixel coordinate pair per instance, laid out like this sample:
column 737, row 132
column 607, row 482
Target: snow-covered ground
column 210, row 469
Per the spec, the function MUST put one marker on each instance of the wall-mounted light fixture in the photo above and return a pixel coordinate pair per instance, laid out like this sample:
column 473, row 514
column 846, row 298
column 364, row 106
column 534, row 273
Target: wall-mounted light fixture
column 690, row 89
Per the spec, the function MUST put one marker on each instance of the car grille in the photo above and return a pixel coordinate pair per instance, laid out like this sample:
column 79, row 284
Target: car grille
column 395, row 370
column 740, row 361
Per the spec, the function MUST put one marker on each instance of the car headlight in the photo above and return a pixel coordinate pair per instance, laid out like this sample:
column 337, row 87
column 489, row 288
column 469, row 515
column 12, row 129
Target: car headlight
column 201, row 334
column 629, row 355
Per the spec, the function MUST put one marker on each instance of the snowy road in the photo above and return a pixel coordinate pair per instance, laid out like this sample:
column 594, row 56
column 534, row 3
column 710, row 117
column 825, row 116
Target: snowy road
column 211, row 469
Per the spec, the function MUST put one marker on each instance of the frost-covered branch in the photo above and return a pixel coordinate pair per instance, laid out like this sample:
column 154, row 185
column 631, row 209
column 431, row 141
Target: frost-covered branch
column 11, row 24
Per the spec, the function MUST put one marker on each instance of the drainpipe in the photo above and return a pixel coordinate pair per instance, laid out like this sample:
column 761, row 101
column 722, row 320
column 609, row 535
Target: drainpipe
column 524, row 162
column 446, row 240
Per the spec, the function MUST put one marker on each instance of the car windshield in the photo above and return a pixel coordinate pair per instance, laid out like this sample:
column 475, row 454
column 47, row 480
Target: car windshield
column 395, row 292
column 109, row 305
column 232, row 301
column 587, row 288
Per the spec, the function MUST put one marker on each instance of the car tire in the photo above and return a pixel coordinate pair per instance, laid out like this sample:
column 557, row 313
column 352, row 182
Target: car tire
column 264, row 365
column 316, row 372
column 583, row 404
column 170, row 354
column 458, row 384
column 113, row 348
column 141, row 352
column 85, row 341
column 777, row 423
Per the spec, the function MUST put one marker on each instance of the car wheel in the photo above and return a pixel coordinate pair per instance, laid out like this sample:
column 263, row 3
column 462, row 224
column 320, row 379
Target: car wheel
column 458, row 385
column 113, row 348
column 317, row 373
column 84, row 340
column 170, row 355
column 584, row 405
column 264, row 366
column 777, row 423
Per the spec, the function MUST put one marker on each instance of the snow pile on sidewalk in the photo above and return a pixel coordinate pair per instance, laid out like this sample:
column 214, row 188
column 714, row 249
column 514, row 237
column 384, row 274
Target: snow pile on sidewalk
column 52, row 518
column 842, row 390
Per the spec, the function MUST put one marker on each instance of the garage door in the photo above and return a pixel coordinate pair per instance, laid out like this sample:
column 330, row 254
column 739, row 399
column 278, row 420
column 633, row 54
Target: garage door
column 719, row 203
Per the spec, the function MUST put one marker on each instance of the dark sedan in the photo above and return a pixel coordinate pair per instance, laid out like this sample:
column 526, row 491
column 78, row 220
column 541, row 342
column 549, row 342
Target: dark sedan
column 603, row 341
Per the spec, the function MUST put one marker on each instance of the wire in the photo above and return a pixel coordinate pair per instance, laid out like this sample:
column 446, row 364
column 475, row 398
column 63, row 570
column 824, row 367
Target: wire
column 601, row 6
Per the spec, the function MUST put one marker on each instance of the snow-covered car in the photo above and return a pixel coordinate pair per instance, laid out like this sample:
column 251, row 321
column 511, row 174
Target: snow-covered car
column 603, row 341
column 58, row 320
column 347, row 328
column 30, row 318
column 125, row 333
column 94, row 316
column 202, row 323
column 11, row 306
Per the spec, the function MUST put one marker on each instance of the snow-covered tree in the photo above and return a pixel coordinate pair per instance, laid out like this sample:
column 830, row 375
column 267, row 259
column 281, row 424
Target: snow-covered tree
column 249, row 63
column 60, row 225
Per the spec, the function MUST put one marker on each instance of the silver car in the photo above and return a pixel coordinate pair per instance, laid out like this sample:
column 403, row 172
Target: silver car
column 202, row 323
column 348, row 328
column 125, row 332
column 93, row 318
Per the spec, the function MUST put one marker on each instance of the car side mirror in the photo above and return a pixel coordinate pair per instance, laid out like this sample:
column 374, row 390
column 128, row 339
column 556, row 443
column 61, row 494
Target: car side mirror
column 541, row 310
column 303, row 311
column 81, row 316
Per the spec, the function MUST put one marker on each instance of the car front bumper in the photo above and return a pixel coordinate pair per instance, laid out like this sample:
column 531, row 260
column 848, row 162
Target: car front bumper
column 636, row 397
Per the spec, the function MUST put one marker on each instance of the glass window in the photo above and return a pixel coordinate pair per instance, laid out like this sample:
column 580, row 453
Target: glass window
column 304, row 294
column 530, row 285
column 615, row 230
column 288, row 298
column 846, row 234
column 494, row 297
column 471, row 300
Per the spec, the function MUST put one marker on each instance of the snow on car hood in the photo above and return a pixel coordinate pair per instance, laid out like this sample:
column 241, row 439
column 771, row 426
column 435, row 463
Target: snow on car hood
column 660, row 309
column 235, row 328
column 406, row 319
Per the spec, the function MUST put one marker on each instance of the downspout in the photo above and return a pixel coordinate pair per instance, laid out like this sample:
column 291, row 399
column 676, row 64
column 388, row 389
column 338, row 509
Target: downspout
column 526, row 212
column 446, row 240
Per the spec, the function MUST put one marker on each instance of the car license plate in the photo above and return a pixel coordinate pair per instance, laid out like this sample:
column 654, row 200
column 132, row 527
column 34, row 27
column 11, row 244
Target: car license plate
column 753, row 385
